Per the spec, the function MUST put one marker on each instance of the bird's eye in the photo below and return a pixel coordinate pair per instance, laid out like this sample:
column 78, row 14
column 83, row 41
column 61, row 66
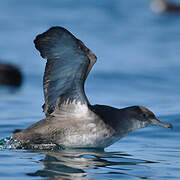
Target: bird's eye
column 144, row 115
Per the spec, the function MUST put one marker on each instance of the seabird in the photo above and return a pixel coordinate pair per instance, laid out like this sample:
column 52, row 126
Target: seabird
column 71, row 121
column 10, row 75
column 160, row 6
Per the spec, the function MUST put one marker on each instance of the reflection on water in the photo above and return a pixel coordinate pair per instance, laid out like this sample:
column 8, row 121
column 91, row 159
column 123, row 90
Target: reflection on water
column 87, row 163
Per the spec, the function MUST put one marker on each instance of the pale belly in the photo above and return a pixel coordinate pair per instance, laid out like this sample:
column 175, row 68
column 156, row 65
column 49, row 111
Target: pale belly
column 87, row 141
column 88, row 136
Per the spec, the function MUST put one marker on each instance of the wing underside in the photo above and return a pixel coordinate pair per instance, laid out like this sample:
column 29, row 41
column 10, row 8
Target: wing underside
column 68, row 64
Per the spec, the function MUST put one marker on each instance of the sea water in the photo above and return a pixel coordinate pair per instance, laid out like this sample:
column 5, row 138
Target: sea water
column 138, row 64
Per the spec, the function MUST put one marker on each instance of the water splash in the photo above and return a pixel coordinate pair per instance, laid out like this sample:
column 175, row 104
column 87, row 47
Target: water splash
column 9, row 143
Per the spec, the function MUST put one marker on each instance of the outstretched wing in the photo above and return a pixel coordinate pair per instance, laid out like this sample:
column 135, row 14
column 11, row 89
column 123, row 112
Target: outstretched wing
column 68, row 64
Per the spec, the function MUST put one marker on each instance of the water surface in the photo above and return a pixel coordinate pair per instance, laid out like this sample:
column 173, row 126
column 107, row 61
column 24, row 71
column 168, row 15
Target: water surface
column 138, row 64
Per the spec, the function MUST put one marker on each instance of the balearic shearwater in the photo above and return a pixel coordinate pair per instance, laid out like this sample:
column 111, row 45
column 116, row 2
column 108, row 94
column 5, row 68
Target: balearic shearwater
column 10, row 75
column 71, row 121
column 160, row 6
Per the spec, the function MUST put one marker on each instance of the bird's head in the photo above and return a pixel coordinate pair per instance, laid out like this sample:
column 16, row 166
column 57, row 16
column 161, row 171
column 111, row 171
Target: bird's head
column 142, row 117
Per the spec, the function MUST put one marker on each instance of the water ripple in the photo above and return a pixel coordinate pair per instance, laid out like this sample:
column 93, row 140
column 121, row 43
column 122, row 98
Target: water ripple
column 84, row 164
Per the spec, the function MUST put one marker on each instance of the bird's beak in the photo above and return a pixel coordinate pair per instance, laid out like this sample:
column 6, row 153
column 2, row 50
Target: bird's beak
column 156, row 122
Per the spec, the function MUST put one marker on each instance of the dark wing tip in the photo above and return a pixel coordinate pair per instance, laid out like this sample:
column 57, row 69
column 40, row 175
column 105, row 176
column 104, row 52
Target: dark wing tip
column 49, row 32
column 45, row 41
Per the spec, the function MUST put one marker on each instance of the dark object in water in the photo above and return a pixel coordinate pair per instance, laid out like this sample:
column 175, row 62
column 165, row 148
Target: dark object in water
column 160, row 6
column 71, row 121
column 10, row 75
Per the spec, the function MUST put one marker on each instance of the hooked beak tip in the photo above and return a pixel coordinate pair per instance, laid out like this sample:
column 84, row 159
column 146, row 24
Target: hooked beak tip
column 159, row 123
column 170, row 126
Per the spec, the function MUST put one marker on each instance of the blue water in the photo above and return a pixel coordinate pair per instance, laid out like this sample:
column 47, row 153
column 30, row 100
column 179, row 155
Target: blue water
column 138, row 64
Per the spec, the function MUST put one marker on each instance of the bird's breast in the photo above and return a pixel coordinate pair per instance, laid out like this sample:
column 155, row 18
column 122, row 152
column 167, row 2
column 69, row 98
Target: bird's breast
column 88, row 135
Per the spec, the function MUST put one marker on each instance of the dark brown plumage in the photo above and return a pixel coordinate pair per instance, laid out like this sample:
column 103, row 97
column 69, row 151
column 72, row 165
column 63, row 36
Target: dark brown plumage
column 10, row 75
column 164, row 6
column 71, row 121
